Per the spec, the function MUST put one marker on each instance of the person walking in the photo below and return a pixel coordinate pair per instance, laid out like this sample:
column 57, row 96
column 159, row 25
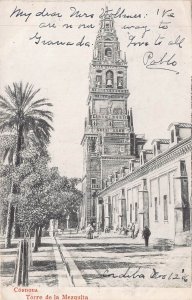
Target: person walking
column 132, row 230
column 89, row 231
column 146, row 235
column 136, row 230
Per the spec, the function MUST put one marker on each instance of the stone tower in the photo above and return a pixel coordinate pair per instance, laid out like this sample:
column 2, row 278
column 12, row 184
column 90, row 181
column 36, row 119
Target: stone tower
column 109, row 141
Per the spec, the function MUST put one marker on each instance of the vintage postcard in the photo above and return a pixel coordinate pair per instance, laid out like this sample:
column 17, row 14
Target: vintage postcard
column 95, row 150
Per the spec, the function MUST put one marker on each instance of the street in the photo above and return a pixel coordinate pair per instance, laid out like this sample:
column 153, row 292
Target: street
column 122, row 261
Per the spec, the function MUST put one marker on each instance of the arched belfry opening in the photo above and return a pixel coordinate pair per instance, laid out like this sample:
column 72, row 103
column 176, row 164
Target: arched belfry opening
column 109, row 79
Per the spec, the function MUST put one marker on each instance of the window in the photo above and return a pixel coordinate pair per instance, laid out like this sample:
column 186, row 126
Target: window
column 92, row 146
column 103, row 111
column 117, row 111
column 93, row 182
column 154, row 150
column 130, row 212
column 108, row 52
column 183, row 168
column 119, row 82
column 98, row 80
column 109, row 79
column 156, row 209
column 172, row 136
column 122, row 148
column 107, row 25
column 136, row 212
column 165, row 208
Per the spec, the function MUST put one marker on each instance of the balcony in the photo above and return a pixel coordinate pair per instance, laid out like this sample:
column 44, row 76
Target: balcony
column 109, row 90
column 95, row 186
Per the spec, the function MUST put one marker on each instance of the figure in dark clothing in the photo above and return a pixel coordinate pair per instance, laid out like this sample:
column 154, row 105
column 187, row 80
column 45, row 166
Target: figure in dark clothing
column 133, row 230
column 146, row 235
column 89, row 231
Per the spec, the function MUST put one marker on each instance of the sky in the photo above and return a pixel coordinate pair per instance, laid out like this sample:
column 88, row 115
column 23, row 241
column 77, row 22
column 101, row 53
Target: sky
column 158, row 97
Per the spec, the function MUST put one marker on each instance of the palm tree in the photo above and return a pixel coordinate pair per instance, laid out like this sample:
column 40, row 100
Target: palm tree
column 23, row 117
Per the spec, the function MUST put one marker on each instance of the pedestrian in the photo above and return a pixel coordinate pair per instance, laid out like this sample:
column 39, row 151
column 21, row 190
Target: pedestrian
column 126, row 231
column 132, row 230
column 89, row 231
column 136, row 230
column 146, row 235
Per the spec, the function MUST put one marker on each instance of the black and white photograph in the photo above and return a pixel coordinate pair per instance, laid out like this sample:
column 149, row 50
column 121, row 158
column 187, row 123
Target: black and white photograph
column 95, row 150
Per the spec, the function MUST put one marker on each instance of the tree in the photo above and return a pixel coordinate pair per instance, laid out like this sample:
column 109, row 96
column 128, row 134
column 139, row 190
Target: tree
column 5, row 187
column 44, row 194
column 25, row 117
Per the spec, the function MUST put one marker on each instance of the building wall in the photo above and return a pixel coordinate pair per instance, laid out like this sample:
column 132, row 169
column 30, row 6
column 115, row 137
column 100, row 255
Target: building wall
column 155, row 199
column 109, row 166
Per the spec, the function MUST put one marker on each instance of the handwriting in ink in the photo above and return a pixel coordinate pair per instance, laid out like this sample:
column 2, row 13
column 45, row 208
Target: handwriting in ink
column 157, row 275
column 20, row 13
column 76, row 13
column 164, row 63
column 39, row 40
column 159, row 40
column 178, row 42
column 126, row 274
column 44, row 13
column 120, row 13
column 133, row 42
column 67, row 26
column 145, row 28
column 47, row 25
column 164, row 25
column 137, row 273
column 166, row 13
column 86, row 26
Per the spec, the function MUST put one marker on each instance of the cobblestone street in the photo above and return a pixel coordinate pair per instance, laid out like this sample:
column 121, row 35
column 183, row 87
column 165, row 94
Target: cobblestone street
column 122, row 261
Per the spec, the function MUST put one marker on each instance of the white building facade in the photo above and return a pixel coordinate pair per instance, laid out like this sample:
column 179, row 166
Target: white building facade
column 153, row 191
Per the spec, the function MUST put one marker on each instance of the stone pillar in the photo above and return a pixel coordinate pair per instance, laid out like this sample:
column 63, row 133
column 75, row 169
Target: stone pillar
column 143, row 205
column 106, row 212
column 122, row 209
column 100, row 216
column 182, row 206
column 123, row 212
column 120, row 213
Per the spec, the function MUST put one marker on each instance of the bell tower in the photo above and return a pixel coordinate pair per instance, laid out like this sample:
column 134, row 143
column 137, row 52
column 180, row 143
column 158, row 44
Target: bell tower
column 109, row 140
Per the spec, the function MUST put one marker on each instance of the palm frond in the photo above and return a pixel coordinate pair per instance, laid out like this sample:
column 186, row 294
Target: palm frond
column 30, row 96
column 38, row 103
column 42, row 113
column 12, row 94
column 5, row 104
column 20, row 110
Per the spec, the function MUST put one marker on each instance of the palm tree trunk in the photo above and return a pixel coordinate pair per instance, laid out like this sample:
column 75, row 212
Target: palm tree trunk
column 39, row 236
column 14, row 190
column 10, row 216
column 36, row 239
column 16, row 229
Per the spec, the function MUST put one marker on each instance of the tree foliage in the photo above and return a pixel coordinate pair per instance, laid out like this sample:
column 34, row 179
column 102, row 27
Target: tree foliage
column 25, row 117
column 44, row 194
